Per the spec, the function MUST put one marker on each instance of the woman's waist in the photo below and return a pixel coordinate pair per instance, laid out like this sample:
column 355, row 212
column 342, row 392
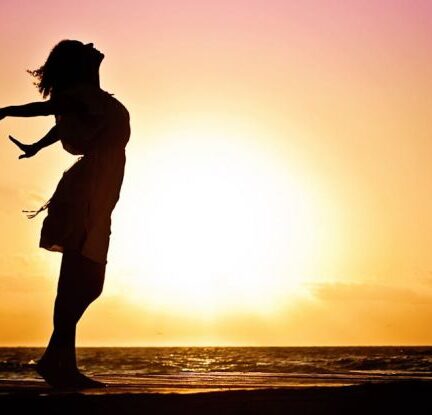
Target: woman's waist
column 102, row 153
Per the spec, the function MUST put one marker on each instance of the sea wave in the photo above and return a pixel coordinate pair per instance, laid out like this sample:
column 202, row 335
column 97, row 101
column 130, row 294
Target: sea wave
column 317, row 361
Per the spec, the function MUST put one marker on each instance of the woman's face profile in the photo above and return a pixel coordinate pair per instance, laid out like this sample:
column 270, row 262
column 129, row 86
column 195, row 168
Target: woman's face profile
column 94, row 53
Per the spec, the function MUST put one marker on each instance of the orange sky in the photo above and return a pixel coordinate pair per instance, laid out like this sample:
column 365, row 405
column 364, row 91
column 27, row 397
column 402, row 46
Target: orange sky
column 279, row 184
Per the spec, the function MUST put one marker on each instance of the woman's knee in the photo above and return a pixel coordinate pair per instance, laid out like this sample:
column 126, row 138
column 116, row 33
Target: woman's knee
column 95, row 289
column 94, row 274
column 66, row 312
column 81, row 281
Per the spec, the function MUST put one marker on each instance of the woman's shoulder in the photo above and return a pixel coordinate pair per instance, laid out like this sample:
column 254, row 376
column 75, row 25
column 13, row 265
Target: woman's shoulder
column 80, row 98
column 77, row 90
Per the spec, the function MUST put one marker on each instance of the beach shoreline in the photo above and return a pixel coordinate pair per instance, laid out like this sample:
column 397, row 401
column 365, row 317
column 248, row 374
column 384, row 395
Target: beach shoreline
column 398, row 397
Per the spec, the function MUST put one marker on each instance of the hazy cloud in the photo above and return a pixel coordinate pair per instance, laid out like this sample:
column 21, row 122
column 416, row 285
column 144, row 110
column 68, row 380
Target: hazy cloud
column 11, row 285
column 337, row 292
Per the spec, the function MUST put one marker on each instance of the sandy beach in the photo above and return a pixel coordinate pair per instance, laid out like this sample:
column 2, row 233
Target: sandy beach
column 401, row 397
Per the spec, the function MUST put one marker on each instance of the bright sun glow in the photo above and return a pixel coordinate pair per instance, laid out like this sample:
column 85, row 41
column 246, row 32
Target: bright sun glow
column 213, row 224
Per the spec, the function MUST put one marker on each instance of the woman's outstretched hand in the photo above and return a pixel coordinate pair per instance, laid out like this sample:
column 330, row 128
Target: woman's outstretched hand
column 29, row 149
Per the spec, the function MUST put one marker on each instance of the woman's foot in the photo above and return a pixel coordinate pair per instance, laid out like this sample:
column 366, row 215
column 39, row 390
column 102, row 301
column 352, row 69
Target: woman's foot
column 57, row 377
column 50, row 372
column 81, row 381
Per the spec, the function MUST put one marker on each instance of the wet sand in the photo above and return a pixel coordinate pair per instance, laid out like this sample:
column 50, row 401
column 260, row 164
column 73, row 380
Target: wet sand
column 401, row 397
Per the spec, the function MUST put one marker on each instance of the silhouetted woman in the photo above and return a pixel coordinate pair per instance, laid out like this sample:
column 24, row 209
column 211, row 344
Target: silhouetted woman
column 92, row 123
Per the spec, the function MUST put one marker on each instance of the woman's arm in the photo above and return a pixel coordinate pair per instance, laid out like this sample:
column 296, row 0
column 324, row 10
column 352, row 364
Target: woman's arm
column 33, row 109
column 61, row 104
column 32, row 149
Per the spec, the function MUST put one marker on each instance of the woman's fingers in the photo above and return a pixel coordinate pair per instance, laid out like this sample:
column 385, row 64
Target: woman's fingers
column 29, row 150
column 16, row 142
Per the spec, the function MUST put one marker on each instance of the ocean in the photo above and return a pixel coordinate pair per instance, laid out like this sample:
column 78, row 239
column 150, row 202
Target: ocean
column 236, row 367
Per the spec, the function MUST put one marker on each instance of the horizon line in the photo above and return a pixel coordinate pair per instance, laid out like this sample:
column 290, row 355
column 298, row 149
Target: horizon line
column 222, row 346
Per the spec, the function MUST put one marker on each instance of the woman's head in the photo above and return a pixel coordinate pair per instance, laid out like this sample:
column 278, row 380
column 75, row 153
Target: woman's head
column 70, row 62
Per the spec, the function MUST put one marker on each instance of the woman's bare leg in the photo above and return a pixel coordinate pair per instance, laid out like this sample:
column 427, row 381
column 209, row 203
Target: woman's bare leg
column 80, row 283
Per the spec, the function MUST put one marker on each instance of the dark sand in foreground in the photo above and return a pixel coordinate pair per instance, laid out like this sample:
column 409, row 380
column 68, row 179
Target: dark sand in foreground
column 403, row 397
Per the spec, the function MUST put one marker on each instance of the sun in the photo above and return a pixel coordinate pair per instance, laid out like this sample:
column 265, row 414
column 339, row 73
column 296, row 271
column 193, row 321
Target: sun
column 210, row 223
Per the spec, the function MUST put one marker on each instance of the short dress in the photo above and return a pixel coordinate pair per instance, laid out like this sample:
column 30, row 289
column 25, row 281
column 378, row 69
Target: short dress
column 79, row 212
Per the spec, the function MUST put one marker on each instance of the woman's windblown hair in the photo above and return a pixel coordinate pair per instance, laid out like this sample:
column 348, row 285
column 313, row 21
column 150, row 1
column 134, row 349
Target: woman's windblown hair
column 67, row 64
